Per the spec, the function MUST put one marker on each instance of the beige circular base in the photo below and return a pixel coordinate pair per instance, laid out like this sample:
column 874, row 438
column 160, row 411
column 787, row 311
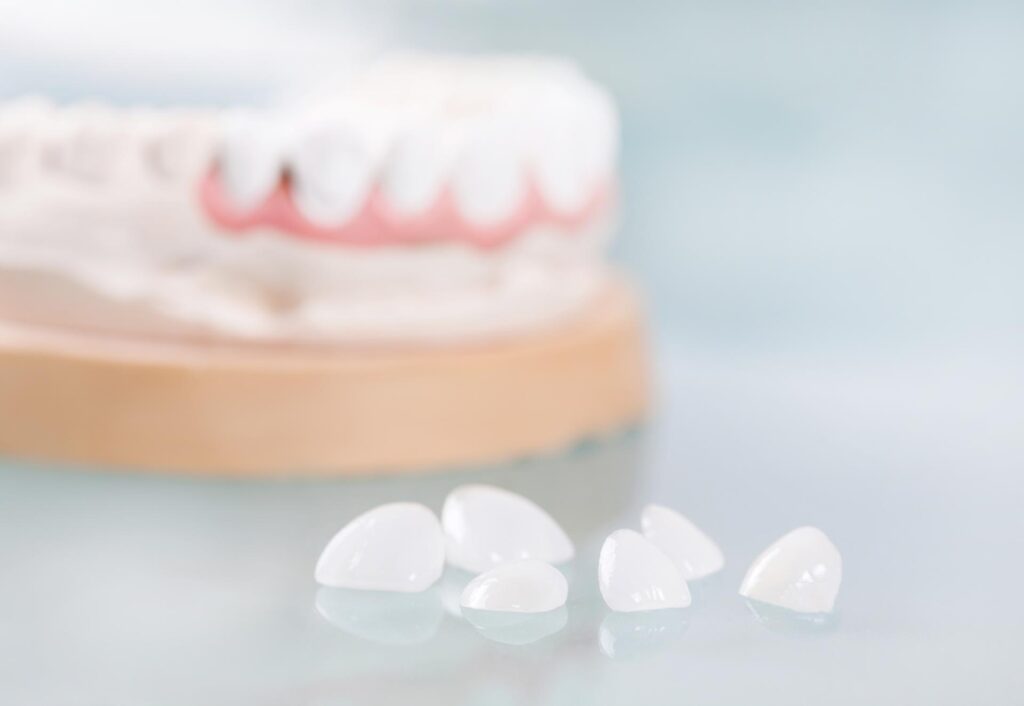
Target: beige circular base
column 261, row 410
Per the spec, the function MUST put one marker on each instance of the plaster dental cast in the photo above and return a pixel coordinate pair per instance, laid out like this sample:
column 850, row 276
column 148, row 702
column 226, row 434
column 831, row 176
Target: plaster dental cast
column 429, row 199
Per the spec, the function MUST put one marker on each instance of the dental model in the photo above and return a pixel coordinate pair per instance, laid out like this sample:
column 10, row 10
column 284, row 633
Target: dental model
column 528, row 586
column 801, row 572
column 405, row 272
column 634, row 575
column 695, row 553
column 486, row 526
column 426, row 200
column 393, row 547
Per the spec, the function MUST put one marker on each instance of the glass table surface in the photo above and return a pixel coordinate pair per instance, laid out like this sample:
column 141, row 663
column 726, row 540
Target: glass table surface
column 150, row 590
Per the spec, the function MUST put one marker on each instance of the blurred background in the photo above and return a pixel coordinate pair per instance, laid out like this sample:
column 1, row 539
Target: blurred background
column 824, row 203
column 796, row 175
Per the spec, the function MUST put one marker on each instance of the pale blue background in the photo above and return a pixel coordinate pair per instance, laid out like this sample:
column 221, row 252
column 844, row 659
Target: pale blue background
column 824, row 205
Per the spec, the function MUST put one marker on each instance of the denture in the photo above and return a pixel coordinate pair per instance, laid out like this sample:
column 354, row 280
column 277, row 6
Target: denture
column 427, row 199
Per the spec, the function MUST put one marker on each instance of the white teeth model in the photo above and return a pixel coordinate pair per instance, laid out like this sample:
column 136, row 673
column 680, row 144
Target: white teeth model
column 601, row 130
column 489, row 180
column 693, row 552
column 481, row 133
column 562, row 149
column 485, row 526
column 393, row 547
column 250, row 160
column 332, row 172
column 800, row 572
column 417, row 169
column 528, row 586
column 635, row 575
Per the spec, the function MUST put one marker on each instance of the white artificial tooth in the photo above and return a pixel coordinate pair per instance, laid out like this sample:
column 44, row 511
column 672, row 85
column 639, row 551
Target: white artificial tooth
column 485, row 526
column 489, row 181
column 528, row 586
column 635, row 575
column 693, row 552
column 250, row 160
column 800, row 572
column 600, row 129
column 332, row 172
column 417, row 168
column 393, row 547
column 574, row 140
column 564, row 171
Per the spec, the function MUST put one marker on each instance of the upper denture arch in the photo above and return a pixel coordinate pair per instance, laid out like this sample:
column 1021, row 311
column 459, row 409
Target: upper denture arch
column 470, row 150
column 377, row 224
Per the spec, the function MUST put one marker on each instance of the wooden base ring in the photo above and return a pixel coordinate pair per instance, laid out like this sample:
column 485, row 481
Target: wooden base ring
column 261, row 410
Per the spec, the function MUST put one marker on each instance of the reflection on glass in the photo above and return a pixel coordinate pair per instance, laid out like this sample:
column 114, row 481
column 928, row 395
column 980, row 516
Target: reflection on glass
column 707, row 586
column 516, row 628
column 385, row 618
column 789, row 622
column 625, row 635
column 451, row 586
